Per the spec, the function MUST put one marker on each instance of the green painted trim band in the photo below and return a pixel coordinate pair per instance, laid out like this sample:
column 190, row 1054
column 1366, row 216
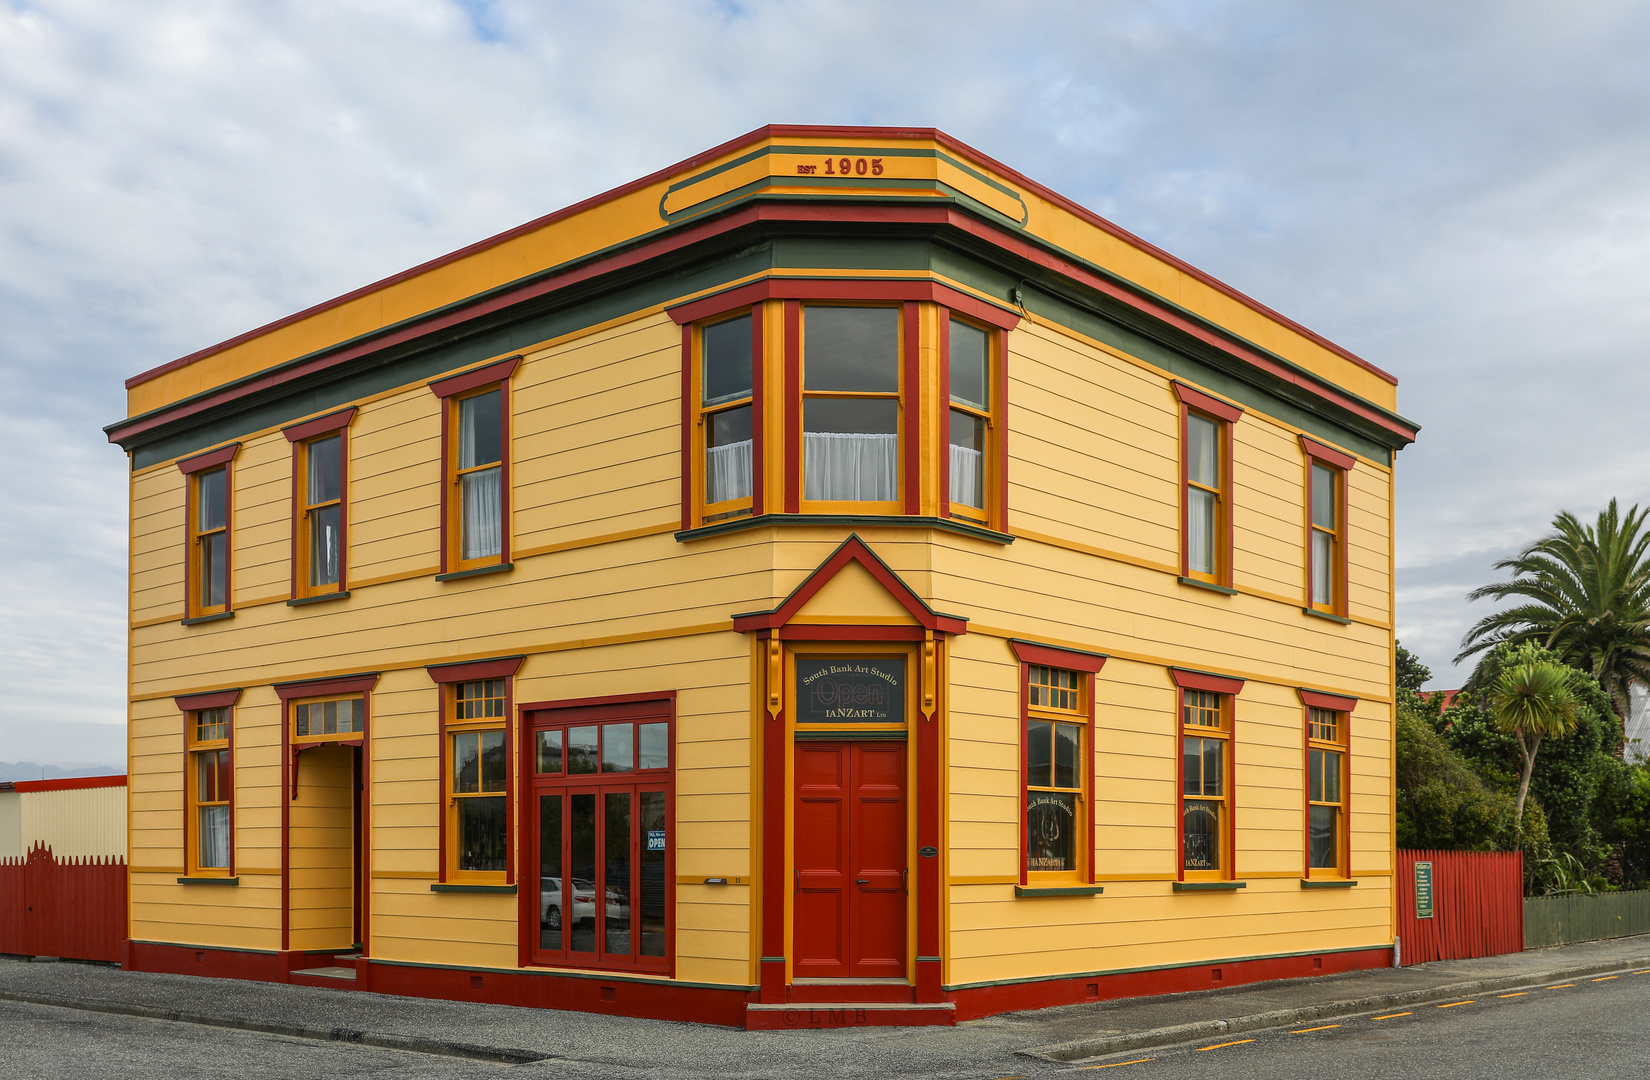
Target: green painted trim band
column 342, row 594
column 1308, row 883
column 210, row 881
column 852, row 520
column 1070, row 890
column 1211, row 586
column 496, row 568
column 198, row 619
column 1316, row 614
column 803, row 735
column 1387, row 946
column 1208, row 886
column 930, row 959
column 773, row 959
column 508, row 890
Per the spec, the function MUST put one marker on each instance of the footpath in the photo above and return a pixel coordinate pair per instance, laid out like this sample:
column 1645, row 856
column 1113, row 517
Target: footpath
column 1036, row 1043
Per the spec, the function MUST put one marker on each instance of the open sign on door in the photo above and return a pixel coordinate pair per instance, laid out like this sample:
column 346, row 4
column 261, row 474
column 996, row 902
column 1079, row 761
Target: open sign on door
column 655, row 839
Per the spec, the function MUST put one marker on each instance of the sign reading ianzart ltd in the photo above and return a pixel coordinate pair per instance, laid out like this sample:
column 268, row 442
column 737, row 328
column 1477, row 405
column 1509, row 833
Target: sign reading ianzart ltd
column 868, row 690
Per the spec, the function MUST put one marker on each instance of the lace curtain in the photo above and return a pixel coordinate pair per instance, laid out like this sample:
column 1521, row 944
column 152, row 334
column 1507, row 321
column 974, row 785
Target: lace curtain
column 483, row 514
column 850, row 467
column 1323, row 568
column 967, row 476
column 1200, row 530
column 728, row 472
column 214, row 838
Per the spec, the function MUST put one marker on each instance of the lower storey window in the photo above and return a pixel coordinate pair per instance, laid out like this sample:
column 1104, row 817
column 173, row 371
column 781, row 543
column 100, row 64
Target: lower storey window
column 479, row 766
column 1204, row 758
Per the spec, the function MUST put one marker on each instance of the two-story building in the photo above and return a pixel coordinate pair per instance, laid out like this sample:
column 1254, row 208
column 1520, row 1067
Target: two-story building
column 835, row 571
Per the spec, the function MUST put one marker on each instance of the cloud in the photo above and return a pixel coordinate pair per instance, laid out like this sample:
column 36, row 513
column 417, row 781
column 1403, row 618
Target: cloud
column 1453, row 191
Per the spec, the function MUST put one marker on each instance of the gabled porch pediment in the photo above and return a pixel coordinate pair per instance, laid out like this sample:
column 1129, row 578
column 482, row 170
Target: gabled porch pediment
column 851, row 588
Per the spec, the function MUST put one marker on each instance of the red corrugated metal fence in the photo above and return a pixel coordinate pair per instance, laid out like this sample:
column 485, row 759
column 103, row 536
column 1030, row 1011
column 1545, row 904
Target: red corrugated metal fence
column 1477, row 905
column 74, row 908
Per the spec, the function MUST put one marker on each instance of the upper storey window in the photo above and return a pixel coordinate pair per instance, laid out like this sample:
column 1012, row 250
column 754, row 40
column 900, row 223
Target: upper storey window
column 1206, row 486
column 726, row 428
column 970, row 460
column 851, row 406
column 209, row 514
column 1326, row 472
column 323, row 490
column 475, row 500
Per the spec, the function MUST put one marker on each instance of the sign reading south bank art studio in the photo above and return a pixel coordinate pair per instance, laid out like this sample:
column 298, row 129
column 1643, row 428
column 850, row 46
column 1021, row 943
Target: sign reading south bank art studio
column 842, row 690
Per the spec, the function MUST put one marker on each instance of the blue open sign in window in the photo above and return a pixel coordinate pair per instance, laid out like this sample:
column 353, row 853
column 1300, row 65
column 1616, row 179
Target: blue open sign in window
column 655, row 839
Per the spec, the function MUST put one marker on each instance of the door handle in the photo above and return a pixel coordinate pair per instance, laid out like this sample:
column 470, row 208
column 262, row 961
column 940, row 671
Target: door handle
column 862, row 881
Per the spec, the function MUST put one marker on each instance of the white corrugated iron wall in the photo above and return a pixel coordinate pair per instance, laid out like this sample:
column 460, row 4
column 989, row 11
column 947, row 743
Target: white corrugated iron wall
column 77, row 822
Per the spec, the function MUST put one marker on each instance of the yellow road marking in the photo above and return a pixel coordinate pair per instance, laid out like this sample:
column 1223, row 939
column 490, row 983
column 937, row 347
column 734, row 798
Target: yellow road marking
column 1217, row 1046
column 1303, row 1031
column 1115, row 1064
column 1521, row 993
column 1606, row 978
column 1389, row 1016
column 1453, row 1004
column 1561, row 986
column 1646, row 971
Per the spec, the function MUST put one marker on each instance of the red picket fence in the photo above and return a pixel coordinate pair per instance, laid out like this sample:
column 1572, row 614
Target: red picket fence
column 74, row 908
column 1477, row 905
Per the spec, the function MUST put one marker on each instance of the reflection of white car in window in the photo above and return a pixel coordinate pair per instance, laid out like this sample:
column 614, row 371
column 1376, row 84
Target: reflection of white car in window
column 550, row 905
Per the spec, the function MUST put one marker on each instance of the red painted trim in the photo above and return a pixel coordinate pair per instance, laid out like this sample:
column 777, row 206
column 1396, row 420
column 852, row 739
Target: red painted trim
column 1228, row 507
column 688, row 407
column 1317, row 699
column 737, row 219
column 289, row 785
column 363, row 842
column 930, row 894
column 501, row 668
column 449, row 417
column 1185, row 485
column 1025, row 771
column 1093, row 799
column 454, row 385
column 1187, row 679
column 911, row 408
column 852, row 549
column 793, row 407
column 810, row 288
column 944, row 440
column 1202, row 402
column 506, row 485
column 70, row 783
column 999, row 424
column 201, row 462
column 604, row 700
column 343, row 684
column 759, row 410
column 1327, row 455
column 771, row 966
column 320, row 425
column 1053, row 656
column 217, row 699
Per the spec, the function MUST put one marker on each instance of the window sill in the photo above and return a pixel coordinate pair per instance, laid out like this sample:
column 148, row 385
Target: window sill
column 1063, row 890
column 198, row 619
column 342, row 594
column 1327, row 883
column 1211, row 586
column 1208, row 886
column 441, row 886
column 866, row 520
column 209, row 880
column 1315, row 613
column 496, row 568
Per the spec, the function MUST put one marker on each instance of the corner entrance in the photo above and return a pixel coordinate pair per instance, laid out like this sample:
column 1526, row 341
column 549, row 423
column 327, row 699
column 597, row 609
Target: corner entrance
column 850, row 856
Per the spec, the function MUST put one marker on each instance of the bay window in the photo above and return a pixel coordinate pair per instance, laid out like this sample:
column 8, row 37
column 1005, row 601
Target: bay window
column 727, row 410
column 969, row 459
column 851, row 405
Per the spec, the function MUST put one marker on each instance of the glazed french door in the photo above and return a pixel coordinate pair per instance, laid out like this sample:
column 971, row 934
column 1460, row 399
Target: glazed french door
column 850, row 878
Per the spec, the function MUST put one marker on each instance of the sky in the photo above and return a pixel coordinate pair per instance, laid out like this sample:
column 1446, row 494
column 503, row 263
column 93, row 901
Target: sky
column 1456, row 192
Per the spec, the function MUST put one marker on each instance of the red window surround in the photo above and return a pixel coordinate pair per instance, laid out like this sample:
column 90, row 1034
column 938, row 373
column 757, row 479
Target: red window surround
column 444, row 675
column 1228, row 414
column 451, row 387
column 1187, row 679
column 297, row 435
column 225, row 456
column 189, row 704
column 1089, row 664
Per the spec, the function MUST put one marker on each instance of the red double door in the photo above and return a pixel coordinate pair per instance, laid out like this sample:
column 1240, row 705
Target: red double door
column 851, row 881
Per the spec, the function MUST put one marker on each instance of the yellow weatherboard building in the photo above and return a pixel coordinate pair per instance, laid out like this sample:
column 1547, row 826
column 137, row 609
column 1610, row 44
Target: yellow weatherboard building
column 834, row 580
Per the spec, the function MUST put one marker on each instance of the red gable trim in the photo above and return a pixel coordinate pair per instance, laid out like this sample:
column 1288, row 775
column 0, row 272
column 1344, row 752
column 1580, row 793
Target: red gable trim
column 319, row 425
column 1317, row 699
column 217, row 699
column 1187, row 679
column 1318, row 450
column 469, row 380
column 903, row 289
column 72, row 783
column 1197, row 399
column 850, row 550
column 498, row 668
column 202, row 462
column 1030, row 652
column 344, row 684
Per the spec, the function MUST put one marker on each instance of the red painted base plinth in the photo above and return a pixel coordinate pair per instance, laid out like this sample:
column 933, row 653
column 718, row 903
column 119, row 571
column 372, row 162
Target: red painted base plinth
column 847, row 1014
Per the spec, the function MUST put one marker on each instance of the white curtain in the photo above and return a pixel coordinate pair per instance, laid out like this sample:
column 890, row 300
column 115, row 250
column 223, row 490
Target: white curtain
column 214, row 839
column 728, row 472
column 967, row 477
column 850, row 466
column 1323, row 569
column 1200, row 530
column 483, row 514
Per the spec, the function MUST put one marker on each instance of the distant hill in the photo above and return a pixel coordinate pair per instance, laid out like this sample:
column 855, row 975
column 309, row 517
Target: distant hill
column 28, row 770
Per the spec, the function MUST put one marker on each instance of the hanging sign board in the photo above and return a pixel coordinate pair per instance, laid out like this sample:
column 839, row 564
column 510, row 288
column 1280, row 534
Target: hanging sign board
column 1423, row 890
column 869, row 690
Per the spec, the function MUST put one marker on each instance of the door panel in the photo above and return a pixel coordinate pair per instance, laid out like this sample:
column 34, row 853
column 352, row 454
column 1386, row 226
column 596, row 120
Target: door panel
column 850, row 889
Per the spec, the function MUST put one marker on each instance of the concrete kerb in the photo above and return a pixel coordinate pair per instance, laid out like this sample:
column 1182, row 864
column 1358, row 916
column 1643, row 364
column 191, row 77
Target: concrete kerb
column 407, row 1043
column 1100, row 1046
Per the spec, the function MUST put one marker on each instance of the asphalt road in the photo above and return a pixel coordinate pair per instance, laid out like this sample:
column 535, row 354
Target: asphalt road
column 1597, row 1028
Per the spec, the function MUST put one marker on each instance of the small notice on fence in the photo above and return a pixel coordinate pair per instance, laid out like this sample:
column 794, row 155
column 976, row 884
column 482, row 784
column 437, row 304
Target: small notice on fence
column 1423, row 890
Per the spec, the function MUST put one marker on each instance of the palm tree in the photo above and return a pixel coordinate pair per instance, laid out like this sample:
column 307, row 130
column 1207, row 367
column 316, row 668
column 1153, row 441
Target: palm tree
column 1532, row 700
column 1586, row 593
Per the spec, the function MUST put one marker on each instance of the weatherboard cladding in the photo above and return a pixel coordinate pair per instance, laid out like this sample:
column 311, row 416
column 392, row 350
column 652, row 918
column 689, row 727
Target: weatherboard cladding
column 762, row 247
